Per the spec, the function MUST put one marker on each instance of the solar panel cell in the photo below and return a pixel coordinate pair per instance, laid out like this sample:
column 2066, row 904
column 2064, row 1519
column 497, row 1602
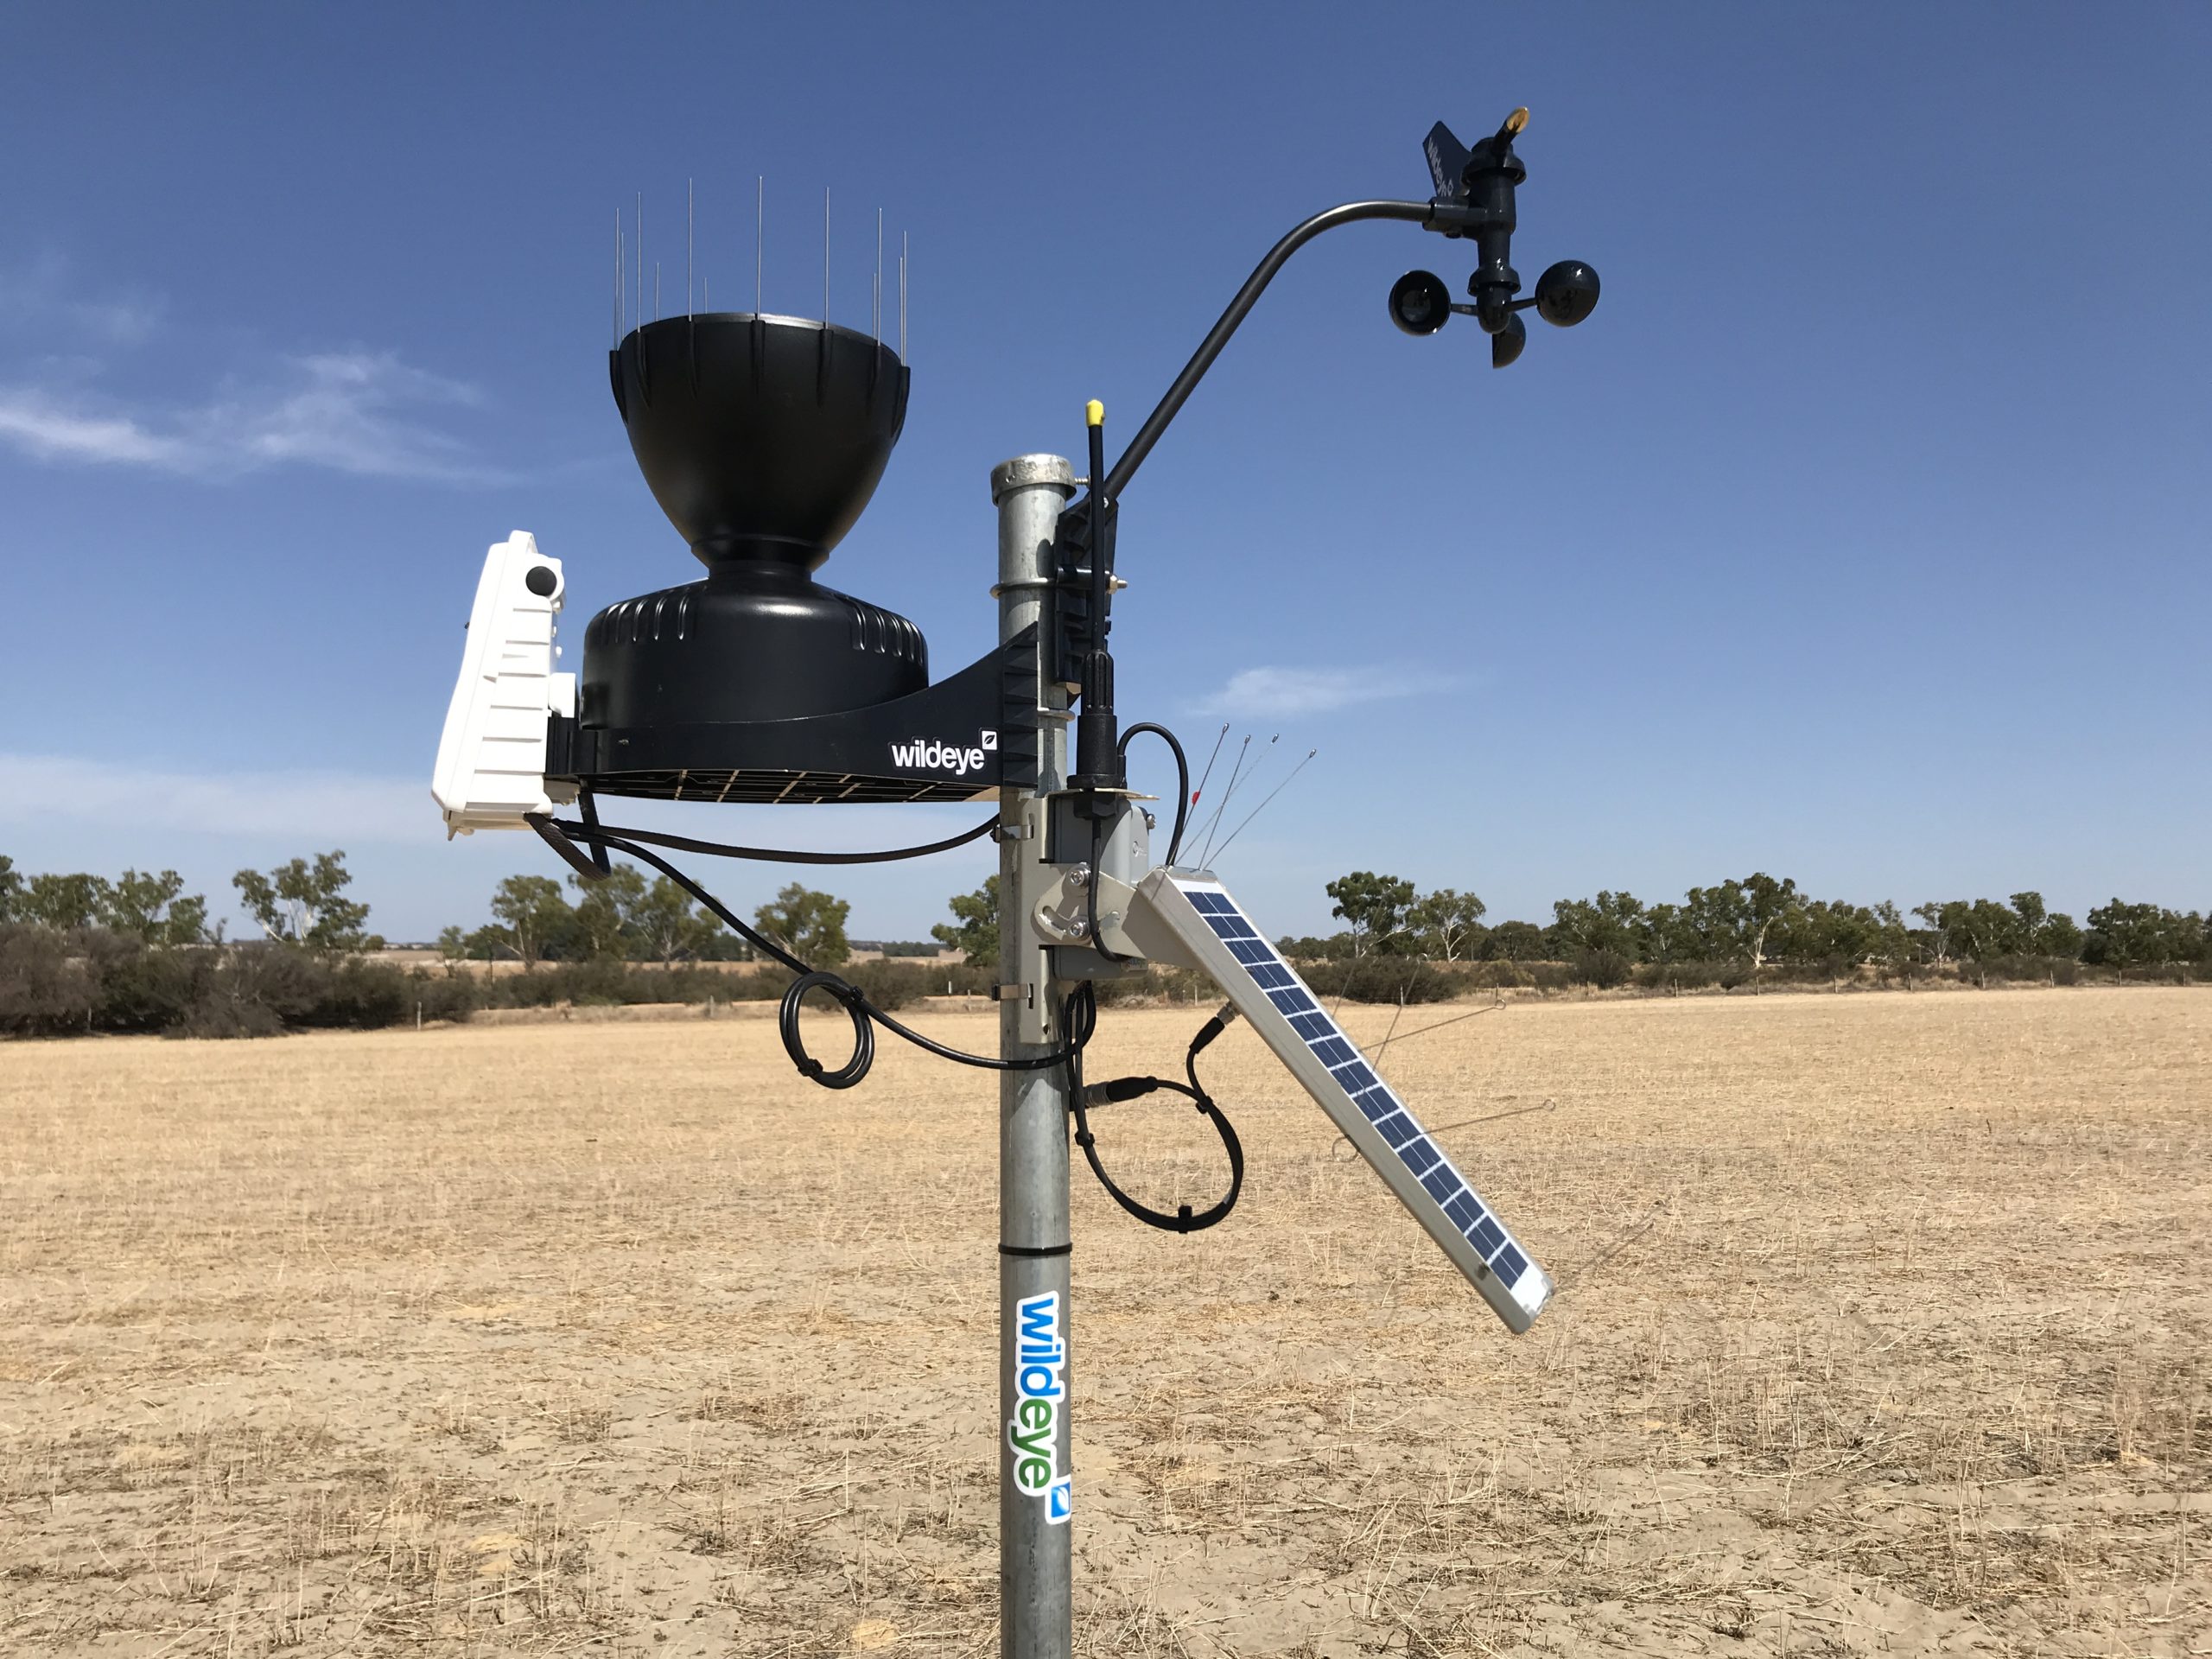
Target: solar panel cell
column 1309, row 1040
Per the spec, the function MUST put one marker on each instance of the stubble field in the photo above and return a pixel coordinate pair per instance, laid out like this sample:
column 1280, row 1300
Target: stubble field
column 1884, row 1329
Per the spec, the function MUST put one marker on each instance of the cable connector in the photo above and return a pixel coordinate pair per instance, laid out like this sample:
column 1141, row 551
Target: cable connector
column 1213, row 1028
column 1121, row 1089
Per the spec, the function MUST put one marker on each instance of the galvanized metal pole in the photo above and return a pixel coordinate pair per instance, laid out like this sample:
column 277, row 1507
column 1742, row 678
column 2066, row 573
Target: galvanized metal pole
column 1035, row 1479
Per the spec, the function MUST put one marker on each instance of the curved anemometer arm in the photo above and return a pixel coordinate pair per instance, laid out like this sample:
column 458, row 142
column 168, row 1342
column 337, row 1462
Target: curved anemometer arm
column 1430, row 215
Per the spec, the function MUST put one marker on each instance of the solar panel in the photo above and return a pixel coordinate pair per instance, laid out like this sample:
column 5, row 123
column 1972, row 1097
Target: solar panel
column 1214, row 934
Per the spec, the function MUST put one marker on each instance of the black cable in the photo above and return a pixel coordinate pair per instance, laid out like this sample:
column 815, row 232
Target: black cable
column 1183, row 778
column 1098, row 826
column 1080, row 1100
column 591, row 828
column 810, row 978
column 1082, row 1016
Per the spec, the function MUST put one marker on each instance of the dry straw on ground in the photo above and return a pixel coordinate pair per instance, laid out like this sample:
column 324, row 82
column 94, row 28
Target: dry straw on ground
column 1883, row 1331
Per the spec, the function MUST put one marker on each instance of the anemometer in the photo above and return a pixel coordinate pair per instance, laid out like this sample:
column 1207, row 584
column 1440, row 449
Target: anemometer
column 762, row 437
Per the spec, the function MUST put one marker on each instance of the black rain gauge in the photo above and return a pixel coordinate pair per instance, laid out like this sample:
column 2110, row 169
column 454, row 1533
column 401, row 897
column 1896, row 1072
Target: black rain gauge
column 762, row 437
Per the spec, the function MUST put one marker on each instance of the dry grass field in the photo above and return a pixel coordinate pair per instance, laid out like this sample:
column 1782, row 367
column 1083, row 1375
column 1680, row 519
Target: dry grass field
column 1885, row 1328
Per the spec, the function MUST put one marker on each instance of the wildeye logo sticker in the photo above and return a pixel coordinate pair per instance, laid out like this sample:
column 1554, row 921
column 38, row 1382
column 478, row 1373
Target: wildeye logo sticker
column 1040, row 1362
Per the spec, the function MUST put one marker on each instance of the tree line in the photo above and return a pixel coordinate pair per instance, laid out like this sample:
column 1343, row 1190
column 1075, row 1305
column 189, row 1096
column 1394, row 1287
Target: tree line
column 137, row 952
column 1754, row 921
column 80, row 952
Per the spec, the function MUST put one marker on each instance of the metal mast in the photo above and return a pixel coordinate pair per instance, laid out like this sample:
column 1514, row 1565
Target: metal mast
column 1035, row 1613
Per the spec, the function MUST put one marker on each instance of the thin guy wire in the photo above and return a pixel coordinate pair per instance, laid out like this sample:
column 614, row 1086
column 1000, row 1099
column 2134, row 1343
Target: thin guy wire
column 825, row 256
column 879, row 276
column 760, row 231
column 902, row 296
column 1272, row 793
column 1396, row 1014
column 689, row 227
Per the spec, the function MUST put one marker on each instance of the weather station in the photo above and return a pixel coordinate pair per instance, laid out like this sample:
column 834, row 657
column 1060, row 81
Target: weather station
column 762, row 437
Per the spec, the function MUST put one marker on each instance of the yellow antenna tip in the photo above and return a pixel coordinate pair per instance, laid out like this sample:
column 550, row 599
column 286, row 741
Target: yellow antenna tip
column 1518, row 120
column 1094, row 413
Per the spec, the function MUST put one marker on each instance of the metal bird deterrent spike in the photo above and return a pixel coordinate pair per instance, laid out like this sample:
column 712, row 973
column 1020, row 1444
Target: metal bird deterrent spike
column 1262, row 806
column 1235, row 778
column 1244, row 748
column 1219, row 738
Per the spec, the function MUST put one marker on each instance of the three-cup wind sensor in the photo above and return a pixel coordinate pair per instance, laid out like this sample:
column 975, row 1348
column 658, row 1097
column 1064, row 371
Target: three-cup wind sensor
column 1474, row 200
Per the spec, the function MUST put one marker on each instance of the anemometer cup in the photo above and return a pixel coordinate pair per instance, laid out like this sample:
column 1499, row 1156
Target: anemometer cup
column 1419, row 303
column 1566, row 293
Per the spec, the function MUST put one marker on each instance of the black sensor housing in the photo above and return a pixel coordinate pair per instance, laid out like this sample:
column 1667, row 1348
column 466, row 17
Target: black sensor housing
column 762, row 438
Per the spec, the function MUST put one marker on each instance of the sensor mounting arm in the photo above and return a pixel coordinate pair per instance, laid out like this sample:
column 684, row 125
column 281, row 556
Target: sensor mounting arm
column 1433, row 215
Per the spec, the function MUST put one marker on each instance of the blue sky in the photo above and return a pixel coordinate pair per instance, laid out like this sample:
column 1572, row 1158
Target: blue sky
column 1859, row 537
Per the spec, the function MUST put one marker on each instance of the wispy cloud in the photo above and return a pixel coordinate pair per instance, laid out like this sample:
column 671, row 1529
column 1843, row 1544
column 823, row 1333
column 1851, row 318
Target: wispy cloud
column 47, row 297
column 330, row 808
column 35, row 423
column 1258, row 693
column 358, row 411
column 349, row 411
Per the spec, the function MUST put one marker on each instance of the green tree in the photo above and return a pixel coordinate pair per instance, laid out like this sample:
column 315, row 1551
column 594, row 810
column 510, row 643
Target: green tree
column 305, row 904
column 1612, row 922
column 11, row 889
column 2046, row 932
column 1664, row 934
column 1447, row 924
column 156, row 909
column 1893, row 937
column 1770, row 903
column 65, row 901
column 2123, row 935
column 809, row 925
column 1515, row 941
column 974, row 930
column 453, row 942
column 2059, row 935
column 529, row 911
column 1937, row 917
column 669, row 928
column 605, row 920
column 1828, row 931
column 1719, row 918
column 1373, row 908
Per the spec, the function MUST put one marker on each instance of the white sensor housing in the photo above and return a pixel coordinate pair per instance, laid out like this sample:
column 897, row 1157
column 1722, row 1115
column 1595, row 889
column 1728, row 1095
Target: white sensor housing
column 491, row 770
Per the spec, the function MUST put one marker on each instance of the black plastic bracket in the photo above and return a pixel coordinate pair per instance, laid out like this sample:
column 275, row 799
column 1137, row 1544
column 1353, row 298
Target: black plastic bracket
column 966, row 736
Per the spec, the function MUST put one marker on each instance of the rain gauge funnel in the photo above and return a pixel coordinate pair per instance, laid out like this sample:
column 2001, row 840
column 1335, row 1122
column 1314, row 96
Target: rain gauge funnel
column 762, row 438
